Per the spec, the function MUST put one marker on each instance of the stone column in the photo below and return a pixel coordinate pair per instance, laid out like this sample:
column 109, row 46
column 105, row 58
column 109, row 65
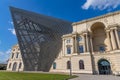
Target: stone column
column 73, row 44
column 84, row 40
column 113, row 40
column 117, row 38
column 109, row 40
column 63, row 46
column 76, row 44
column 87, row 42
column 91, row 43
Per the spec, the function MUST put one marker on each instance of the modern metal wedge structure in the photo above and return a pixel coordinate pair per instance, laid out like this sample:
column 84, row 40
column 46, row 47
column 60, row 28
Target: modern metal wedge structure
column 39, row 38
column 49, row 44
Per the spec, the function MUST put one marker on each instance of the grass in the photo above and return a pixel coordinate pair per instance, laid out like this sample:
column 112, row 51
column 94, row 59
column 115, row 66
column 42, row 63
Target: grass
column 32, row 76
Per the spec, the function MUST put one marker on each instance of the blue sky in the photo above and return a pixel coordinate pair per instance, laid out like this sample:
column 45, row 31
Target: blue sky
column 71, row 10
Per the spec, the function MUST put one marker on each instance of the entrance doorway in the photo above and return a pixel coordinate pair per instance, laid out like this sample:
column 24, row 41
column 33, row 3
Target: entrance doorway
column 14, row 66
column 104, row 67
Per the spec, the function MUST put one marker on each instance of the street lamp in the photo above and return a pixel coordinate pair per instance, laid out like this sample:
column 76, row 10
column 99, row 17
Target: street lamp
column 70, row 67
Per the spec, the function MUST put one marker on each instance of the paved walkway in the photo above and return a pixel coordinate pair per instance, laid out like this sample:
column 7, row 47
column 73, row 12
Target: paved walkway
column 96, row 77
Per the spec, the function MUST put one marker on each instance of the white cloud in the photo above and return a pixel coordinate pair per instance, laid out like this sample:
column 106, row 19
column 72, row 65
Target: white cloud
column 10, row 22
column 12, row 31
column 4, row 56
column 101, row 4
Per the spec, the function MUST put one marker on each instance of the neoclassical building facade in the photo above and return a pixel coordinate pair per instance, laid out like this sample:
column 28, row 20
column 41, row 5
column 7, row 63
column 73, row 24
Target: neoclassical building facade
column 93, row 47
column 48, row 44
column 15, row 62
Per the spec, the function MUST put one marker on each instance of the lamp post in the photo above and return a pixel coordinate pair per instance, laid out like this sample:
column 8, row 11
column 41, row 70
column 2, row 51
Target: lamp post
column 70, row 67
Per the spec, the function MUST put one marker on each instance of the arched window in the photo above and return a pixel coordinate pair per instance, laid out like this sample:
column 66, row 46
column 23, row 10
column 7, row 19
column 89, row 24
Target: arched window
column 10, row 65
column 17, row 55
column 54, row 65
column 12, row 55
column 20, row 65
column 68, row 64
column 14, row 67
column 81, row 64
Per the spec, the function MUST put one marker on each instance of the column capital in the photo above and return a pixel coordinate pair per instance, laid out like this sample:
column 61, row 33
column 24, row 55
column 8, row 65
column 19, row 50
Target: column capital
column 113, row 28
column 107, row 31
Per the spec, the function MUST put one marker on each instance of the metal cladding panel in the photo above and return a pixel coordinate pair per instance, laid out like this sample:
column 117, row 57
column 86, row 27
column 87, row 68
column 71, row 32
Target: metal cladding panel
column 39, row 37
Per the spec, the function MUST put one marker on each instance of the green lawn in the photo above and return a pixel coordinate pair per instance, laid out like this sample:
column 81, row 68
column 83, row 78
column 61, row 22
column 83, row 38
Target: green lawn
column 31, row 76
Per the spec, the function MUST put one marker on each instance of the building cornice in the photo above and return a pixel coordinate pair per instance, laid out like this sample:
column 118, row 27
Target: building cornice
column 74, row 34
column 95, row 18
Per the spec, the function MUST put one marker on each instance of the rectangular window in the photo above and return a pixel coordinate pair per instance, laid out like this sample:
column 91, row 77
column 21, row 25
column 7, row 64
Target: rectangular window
column 54, row 65
column 81, row 49
column 68, row 41
column 68, row 50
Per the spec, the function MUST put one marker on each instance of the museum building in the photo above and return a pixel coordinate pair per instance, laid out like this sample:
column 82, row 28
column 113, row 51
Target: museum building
column 93, row 45
column 15, row 62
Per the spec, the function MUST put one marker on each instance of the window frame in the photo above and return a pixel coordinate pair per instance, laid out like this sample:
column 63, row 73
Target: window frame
column 68, row 50
column 81, row 47
column 68, row 64
column 81, row 64
column 68, row 40
column 54, row 65
column 17, row 55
